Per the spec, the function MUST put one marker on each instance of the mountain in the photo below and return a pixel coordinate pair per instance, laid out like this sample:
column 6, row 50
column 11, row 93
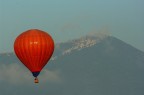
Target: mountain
column 90, row 65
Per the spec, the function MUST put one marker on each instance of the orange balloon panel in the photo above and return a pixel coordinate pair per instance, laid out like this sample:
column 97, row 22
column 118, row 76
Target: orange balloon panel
column 34, row 49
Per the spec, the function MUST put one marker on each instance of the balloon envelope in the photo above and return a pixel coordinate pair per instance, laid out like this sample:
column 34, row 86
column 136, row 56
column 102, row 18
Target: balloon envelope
column 34, row 48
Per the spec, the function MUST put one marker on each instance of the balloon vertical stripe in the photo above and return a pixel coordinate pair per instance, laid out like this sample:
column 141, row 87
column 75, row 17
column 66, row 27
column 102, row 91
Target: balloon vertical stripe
column 34, row 49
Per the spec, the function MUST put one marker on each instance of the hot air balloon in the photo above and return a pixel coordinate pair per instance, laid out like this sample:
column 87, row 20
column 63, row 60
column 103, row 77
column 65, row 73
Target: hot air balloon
column 34, row 49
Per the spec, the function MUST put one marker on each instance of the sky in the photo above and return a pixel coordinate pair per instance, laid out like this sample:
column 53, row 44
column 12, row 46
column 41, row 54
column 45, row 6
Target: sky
column 68, row 19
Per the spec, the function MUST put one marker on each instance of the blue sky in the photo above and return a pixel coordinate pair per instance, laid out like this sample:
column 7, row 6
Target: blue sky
column 68, row 19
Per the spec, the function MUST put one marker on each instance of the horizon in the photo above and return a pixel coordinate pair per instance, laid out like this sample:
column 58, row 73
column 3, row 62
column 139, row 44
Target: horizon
column 105, row 35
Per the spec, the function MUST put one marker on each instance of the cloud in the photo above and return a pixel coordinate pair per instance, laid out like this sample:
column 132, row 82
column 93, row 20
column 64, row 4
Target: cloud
column 51, row 76
column 17, row 74
column 101, row 34
column 70, row 27
column 76, row 23
column 13, row 73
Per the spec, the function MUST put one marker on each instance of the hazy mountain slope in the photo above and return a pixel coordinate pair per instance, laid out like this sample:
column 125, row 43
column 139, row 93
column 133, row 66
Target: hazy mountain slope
column 107, row 68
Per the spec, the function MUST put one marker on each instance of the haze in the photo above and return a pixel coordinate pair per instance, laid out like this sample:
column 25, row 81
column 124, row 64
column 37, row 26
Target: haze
column 68, row 19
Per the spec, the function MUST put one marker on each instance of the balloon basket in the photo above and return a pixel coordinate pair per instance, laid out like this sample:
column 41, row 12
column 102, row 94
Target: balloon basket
column 36, row 80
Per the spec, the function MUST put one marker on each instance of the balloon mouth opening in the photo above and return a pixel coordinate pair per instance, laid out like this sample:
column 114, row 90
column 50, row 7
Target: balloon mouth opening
column 35, row 74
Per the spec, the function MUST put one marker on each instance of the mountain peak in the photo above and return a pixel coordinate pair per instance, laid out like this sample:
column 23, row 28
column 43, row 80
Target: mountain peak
column 78, row 44
column 84, row 42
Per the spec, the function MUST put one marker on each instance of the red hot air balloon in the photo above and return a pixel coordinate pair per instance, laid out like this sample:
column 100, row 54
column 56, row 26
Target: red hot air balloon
column 34, row 48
